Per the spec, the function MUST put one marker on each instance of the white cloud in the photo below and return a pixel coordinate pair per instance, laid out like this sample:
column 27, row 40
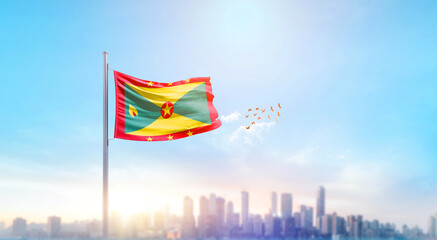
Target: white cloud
column 254, row 132
column 231, row 117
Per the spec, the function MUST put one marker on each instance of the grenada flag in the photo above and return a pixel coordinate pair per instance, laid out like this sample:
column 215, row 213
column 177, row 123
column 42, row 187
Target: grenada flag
column 152, row 111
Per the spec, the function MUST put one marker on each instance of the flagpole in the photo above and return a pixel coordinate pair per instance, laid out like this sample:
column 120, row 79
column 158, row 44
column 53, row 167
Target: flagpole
column 105, row 146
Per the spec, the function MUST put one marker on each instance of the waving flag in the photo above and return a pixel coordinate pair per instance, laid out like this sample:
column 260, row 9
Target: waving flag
column 152, row 111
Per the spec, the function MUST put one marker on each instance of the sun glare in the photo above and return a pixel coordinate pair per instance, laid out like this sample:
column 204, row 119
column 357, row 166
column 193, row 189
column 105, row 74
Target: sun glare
column 130, row 203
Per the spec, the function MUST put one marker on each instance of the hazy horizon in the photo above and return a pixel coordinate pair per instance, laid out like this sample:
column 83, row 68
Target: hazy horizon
column 356, row 81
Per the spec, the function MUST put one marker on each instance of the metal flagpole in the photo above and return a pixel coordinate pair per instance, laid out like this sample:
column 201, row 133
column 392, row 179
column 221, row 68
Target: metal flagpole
column 105, row 145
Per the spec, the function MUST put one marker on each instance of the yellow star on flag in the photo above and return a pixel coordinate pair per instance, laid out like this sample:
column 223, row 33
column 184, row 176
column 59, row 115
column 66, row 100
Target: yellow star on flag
column 150, row 83
column 190, row 133
column 149, row 139
column 170, row 137
column 167, row 110
column 188, row 80
column 170, row 84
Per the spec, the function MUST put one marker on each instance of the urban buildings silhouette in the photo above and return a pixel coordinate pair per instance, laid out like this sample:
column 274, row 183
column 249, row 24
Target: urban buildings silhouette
column 217, row 219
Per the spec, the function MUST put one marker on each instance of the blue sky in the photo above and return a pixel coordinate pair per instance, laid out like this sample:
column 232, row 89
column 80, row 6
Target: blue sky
column 356, row 80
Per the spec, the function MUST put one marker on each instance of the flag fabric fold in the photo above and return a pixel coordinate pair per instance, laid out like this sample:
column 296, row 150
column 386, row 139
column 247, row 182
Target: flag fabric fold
column 153, row 111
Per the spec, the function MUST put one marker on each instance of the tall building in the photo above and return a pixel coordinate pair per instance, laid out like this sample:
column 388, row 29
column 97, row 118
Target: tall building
column 245, row 211
column 274, row 204
column 54, row 226
column 432, row 226
column 350, row 225
column 327, row 225
column 188, row 224
column 269, row 225
column 229, row 218
column 306, row 217
column 320, row 210
column 19, row 227
column 374, row 227
column 212, row 203
column 338, row 225
column 334, row 224
column 211, row 226
column 354, row 226
column 297, row 219
column 358, row 227
column 188, row 211
column 277, row 227
column 258, row 226
column 250, row 228
column 273, row 226
column 203, row 214
column 289, row 227
column 220, row 213
column 236, row 220
column 286, row 206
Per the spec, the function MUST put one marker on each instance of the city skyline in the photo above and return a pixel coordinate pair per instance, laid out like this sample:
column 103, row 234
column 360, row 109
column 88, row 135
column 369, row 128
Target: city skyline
column 210, row 202
column 355, row 80
column 218, row 218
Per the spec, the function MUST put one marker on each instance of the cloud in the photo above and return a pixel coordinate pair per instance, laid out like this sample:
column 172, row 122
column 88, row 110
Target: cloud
column 231, row 117
column 249, row 135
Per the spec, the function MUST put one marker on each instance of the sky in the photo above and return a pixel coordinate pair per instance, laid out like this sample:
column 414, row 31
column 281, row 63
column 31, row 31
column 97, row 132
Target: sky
column 356, row 81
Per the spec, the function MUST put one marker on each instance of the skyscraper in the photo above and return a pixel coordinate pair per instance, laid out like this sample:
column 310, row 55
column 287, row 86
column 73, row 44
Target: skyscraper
column 212, row 203
column 286, row 205
column 338, row 225
column 327, row 225
column 269, row 225
column 277, row 227
column 320, row 211
column 432, row 226
column 306, row 214
column 250, row 229
column 274, row 204
column 229, row 218
column 203, row 214
column 220, row 213
column 236, row 220
column 297, row 219
column 354, row 226
column 188, row 225
column 350, row 225
column 188, row 207
column 258, row 226
column 358, row 227
column 245, row 211
column 19, row 227
column 54, row 226
column 289, row 227
column 211, row 226
column 334, row 223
